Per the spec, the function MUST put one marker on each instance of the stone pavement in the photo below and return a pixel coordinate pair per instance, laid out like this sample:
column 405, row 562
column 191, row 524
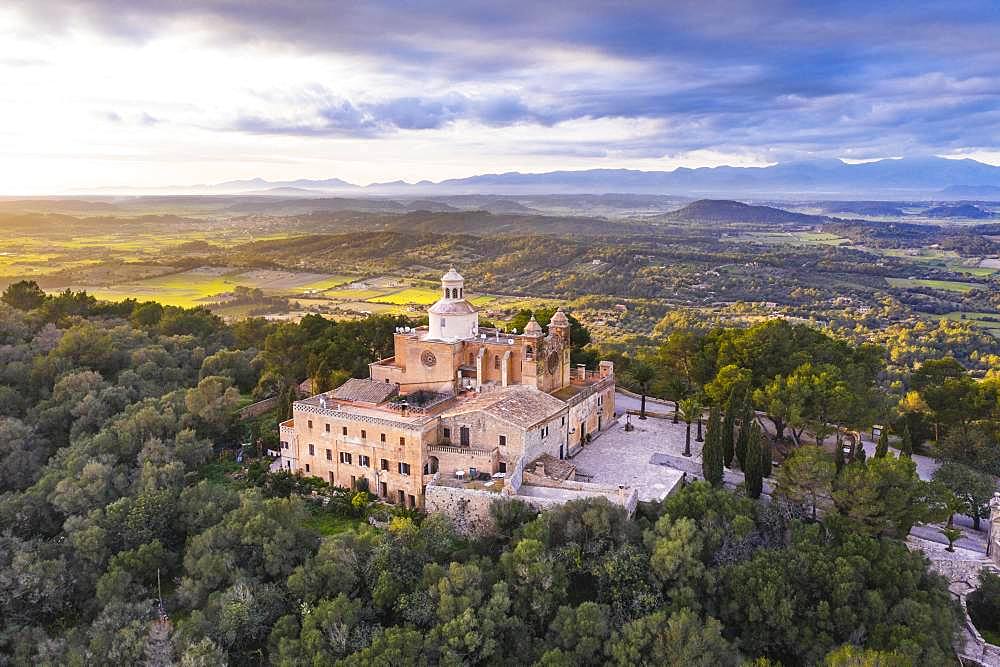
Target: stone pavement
column 617, row 456
column 649, row 458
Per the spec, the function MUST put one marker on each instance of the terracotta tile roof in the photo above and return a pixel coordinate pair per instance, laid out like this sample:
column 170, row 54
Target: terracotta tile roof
column 364, row 391
column 518, row 405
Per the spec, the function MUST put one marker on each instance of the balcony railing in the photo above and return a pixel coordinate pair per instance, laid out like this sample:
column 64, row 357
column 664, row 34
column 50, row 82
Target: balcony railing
column 453, row 449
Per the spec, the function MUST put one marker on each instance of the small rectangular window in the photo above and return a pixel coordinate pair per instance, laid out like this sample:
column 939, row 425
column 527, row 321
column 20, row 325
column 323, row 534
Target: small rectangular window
column 327, row 427
column 329, row 455
column 447, row 434
column 343, row 430
column 310, row 423
column 385, row 464
column 382, row 437
column 345, row 457
column 364, row 461
column 402, row 441
column 562, row 421
column 363, row 434
column 404, row 468
column 312, row 450
column 503, row 441
column 307, row 467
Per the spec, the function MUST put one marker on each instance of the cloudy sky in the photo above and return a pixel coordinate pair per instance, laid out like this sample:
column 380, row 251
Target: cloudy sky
column 155, row 92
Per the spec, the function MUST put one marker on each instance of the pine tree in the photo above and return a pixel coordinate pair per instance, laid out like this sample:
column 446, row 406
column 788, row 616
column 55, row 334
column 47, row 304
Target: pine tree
column 728, row 434
column 746, row 425
column 838, row 458
column 882, row 448
column 859, row 453
column 712, row 451
column 753, row 478
column 906, row 444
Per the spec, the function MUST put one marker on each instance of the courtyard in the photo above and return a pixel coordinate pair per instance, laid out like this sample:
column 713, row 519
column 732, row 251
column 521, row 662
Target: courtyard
column 649, row 458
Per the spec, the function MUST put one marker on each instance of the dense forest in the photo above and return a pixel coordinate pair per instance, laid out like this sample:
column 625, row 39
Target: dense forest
column 117, row 424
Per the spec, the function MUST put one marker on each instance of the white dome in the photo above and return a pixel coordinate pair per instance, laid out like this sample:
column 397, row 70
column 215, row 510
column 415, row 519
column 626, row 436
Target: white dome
column 452, row 276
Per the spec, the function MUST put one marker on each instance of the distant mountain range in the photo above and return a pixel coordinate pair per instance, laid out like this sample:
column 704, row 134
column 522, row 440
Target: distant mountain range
column 925, row 177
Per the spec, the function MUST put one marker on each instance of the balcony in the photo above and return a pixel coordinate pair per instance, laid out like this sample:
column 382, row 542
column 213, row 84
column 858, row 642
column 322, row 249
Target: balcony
column 463, row 451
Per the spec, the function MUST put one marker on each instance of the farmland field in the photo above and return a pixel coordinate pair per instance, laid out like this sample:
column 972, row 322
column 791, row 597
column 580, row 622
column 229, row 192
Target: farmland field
column 418, row 295
column 796, row 238
column 203, row 286
column 988, row 321
column 355, row 294
column 947, row 285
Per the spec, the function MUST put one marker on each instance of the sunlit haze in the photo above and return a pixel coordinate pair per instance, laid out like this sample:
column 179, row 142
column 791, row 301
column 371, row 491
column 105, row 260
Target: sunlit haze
column 141, row 96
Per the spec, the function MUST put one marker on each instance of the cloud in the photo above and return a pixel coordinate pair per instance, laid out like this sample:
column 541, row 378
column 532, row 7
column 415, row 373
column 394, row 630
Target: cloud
column 772, row 78
column 325, row 114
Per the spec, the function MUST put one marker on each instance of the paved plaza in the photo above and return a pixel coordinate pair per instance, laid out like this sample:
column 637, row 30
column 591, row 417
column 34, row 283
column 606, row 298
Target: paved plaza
column 625, row 457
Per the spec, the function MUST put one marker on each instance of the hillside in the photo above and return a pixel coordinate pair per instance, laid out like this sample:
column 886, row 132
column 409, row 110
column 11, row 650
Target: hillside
column 871, row 208
column 967, row 211
column 728, row 211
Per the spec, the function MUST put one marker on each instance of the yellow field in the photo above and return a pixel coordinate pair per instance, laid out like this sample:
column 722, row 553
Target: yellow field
column 417, row 295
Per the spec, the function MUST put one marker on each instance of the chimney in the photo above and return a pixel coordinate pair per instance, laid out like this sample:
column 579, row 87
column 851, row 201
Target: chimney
column 581, row 371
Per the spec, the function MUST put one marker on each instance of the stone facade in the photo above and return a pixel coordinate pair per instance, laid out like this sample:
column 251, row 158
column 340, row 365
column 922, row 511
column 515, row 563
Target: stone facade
column 452, row 400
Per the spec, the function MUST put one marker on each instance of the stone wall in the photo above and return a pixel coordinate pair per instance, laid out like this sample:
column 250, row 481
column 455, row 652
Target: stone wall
column 469, row 509
column 962, row 569
column 257, row 409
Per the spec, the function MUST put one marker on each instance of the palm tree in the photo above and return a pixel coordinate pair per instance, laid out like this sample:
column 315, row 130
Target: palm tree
column 641, row 375
column 691, row 410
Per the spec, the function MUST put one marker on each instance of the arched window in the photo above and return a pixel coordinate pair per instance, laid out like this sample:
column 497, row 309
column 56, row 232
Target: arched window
column 496, row 362
column 447, row 292
column 461, row 292
column 528, row 351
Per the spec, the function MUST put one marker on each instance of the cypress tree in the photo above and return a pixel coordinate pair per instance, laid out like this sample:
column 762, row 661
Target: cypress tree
column 728, row 434
column 838, row 458
column 906, row 444
column 766, row 456
column 752, row 473
column 859, row 453
column 882, row 448
column 743, row 439
column 711, row 452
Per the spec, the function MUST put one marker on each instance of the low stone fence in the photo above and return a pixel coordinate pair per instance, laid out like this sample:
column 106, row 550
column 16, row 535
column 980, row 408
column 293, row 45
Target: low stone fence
column 649, row 399
column 257, row 409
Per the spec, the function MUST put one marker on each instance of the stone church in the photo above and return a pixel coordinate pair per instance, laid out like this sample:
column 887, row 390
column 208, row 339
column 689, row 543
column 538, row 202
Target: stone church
column 457, row 405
